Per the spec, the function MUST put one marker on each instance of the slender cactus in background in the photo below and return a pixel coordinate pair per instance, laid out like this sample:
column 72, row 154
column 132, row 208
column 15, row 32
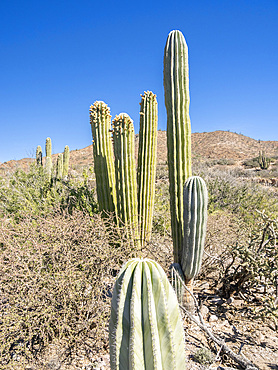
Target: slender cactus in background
column 145, row 328
column 176, row 90
column 39, row 156
column 59, row 168
column 48, row 159
column 100, row 120
column 146, row 169
column 66, row 158
column 264, row 162
column 125, row 173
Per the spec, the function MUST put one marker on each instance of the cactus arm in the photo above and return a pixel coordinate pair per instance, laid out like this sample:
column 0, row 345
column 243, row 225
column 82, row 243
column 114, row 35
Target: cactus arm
column 39, row 156
column 146, row 169
column 100, row 120
column 59, row 169
column 48, row 160
column 176, row 88
column 195, row 221
column 126, row 186
column 66, row 157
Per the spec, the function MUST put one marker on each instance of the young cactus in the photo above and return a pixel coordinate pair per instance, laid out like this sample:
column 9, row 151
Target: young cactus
column 125, row 173
column 48, row 160
column 100, row 120
column 146, row 168
column 176, row 90
column 39, row 156
column 59, row 168
column 145, row 328
column 66, row 157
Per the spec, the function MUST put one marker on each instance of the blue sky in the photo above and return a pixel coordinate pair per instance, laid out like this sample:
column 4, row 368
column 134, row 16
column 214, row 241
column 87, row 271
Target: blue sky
column 58, row 57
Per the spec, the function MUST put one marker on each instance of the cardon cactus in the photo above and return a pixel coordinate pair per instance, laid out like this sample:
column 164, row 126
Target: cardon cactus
column 66, row 157
column 146, row 168
column 48, row 159
column 263, row 161
column 195, row 223
column 145, row 328
column 176, row 90
column 39, row 156
column 59, row 168
column 100, row 120
column 125, row 173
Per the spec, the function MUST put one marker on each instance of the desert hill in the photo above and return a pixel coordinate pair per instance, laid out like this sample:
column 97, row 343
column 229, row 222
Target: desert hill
column 212, row 145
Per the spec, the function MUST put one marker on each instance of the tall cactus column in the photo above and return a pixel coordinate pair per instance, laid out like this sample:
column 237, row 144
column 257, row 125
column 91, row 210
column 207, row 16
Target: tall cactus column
column 39, row 156
column 146, row 168
column 48, row 159
column 176, row 90
column 100, row 120
column 66, row 157
column 125, row 173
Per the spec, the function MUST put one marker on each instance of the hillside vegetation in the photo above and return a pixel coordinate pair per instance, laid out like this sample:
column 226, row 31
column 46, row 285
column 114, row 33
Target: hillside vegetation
column 59, row 258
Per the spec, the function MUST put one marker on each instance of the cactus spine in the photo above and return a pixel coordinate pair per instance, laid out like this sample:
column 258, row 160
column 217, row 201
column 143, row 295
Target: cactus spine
column 145, row 328
column 66, row 157
column 100, row 120
column 39, row 156
column 125, row 173
column 48, row 160
column 146, row 169
column 176, row 89
column 59, row 168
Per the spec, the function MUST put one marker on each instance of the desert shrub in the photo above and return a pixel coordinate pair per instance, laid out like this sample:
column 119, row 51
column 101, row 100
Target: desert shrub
column 31, row 192
column 251, row 162
column 56, row 280
column 203, row 356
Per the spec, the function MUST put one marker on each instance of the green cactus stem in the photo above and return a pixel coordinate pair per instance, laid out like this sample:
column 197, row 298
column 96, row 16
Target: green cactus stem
column 59, row 167
column 48, row 159
column 145, row 328
column 39, row 156
column 125, row 174
column 176, row 90
column 66, row 157
column 264, row 162
column 146, row 168
column 100, row 120
column 195, row 224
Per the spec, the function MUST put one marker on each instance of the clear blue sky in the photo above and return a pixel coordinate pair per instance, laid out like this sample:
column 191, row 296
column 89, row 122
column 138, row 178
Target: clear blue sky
column 58, row 57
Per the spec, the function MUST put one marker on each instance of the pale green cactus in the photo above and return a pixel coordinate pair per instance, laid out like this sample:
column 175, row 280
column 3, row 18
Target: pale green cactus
column 195, row 224
column 48, row 158
column 145, row 328
column 66, row 157
column 125, row 173
column 39, row 156
column 59, row 167
column 146, row 168
column 176, row 90
column 100, row 120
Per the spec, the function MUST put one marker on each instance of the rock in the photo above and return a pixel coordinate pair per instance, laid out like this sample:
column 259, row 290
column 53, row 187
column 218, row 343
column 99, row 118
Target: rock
column 204, row 311
column 213, row 318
